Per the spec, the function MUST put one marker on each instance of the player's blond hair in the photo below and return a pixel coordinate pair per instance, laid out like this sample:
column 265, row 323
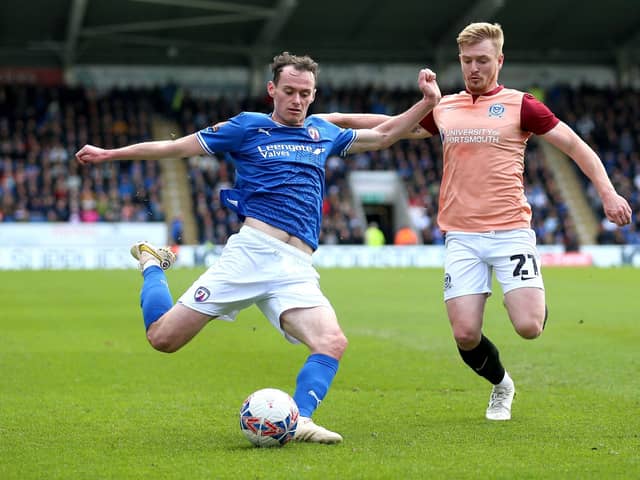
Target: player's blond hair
column 301, row 63
column 477, row 32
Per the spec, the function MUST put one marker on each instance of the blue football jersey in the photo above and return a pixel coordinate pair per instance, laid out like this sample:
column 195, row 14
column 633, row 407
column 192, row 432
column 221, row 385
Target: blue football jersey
column 279, row 169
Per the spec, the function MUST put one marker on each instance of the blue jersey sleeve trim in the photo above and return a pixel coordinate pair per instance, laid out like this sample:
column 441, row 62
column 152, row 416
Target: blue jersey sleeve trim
column 203, row 144
column 345, row 151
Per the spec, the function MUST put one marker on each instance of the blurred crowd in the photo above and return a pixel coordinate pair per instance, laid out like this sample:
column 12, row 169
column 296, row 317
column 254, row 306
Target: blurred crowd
column 40, row 130
column 418, row 163
column 609, row 121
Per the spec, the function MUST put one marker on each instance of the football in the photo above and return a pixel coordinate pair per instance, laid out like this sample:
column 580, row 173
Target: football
column 269, row 417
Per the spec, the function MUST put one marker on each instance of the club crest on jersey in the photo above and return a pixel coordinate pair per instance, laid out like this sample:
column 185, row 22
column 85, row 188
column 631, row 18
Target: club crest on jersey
column 201, row 294
column 314, row 133
column 496, row 110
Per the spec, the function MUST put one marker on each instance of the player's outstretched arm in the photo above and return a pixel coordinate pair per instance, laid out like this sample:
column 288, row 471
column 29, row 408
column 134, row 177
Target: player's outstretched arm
column 400, row 126
column 355, row 120
column 368, row 121
column 182, row 147
column 616, row 208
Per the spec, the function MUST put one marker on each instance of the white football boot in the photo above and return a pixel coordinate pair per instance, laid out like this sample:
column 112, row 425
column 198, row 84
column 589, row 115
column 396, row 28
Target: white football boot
column 500, row 401
column 308, row 431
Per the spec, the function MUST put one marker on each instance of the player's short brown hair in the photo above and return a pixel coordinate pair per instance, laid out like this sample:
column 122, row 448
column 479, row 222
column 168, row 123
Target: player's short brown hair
column 301, row 63
column 476, row 32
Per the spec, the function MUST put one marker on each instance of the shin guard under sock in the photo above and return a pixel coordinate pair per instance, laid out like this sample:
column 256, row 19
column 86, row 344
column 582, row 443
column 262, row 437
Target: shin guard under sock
column 313, row 382
column 484, row 360
column 155, row 298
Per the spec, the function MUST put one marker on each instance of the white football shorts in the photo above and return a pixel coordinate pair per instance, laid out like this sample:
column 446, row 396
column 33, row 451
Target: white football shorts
column 470, row 259
column 255, row 268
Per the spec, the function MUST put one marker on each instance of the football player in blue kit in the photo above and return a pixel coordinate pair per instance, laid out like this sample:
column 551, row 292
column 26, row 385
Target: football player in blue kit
column 279, row 160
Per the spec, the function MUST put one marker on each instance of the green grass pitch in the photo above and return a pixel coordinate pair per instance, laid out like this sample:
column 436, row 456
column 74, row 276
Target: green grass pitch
column 83, row 396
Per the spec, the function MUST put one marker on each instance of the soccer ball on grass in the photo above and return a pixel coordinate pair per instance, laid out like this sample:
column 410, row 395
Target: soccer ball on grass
column 269, row 417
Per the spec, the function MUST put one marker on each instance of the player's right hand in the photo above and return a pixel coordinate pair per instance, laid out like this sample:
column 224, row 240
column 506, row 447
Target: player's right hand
column 91, row 154
column 428, row 85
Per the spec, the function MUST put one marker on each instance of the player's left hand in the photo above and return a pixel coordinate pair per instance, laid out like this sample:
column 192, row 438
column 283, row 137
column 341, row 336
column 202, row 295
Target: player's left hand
column 91, row 154
column 617, row 209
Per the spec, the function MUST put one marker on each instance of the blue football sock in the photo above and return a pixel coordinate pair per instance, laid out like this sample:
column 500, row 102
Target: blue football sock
column 155, row 298
column 313, row 382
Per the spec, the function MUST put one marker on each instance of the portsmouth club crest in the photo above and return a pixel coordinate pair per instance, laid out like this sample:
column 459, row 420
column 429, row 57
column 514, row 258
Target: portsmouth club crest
column 447, row 281
column 314, row 133
column 496, row 110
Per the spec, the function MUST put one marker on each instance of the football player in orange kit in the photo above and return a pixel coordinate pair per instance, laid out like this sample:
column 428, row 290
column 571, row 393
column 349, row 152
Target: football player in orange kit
column 482, row 206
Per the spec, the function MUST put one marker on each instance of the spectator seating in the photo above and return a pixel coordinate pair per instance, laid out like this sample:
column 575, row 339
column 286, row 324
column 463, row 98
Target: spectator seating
column 41, row 129
column 419, row 163
column 609, row 121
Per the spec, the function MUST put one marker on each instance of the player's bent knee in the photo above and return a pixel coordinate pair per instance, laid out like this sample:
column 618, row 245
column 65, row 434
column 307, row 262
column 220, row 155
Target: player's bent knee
column 334, row 344
column 343, row 343
column 531, row 330
column 339, row 344
column 162, row 342
column 467, row 338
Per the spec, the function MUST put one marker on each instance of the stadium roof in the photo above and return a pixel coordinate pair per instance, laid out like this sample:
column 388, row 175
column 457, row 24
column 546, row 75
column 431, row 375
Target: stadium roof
column 64, row 33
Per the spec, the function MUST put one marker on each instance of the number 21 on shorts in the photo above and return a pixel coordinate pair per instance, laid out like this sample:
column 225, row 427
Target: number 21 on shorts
column 526, row 266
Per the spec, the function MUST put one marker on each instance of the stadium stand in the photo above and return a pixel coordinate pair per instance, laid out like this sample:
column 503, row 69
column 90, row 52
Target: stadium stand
column 40, row 129
column 609, row 120
column 418, row 162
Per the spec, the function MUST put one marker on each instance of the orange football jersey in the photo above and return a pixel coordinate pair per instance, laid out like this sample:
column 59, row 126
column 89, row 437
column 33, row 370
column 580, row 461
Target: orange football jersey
column 483, row 147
